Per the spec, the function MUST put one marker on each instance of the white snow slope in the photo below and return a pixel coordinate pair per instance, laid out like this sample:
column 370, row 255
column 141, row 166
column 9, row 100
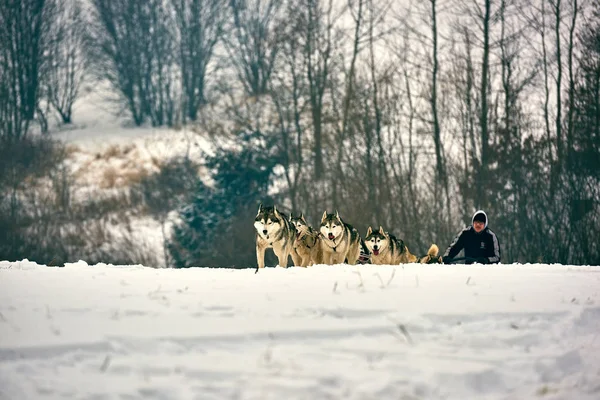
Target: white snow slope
column 326, row 332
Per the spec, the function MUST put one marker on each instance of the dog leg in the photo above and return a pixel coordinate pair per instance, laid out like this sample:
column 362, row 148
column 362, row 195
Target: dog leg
column 296, row 258
column 287, row 257
column 314, row 260
column 353, row 255
column 260, row 256
column 337, row 258
column 317, row 255
column 283, row 258
column 305, row 261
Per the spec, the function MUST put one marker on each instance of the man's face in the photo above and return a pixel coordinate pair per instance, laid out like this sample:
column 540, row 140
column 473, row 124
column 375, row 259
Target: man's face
column 478, row 226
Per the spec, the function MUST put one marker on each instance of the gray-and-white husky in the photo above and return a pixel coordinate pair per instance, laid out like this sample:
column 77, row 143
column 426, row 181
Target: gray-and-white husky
column 340, row 241
column 307, row 245
column 273, row 230
column 385, row 248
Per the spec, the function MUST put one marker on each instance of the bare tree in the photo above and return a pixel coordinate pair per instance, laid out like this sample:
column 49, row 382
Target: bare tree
column 160, row 71
column 66, row 69
column 557, row 13
column 482, row 177
column 132, row 47
column 484, row 20
column 546, row 62
column 318, row 49
column 254, row 44
column 469, row 118
column 571, row 90
column 441, row 179
column 375, row 144
column 24, row 27
column 289, row 92
column 460, row 78
column 348, row 98
column 516, row 76
column 199, row 26
column 510, row 125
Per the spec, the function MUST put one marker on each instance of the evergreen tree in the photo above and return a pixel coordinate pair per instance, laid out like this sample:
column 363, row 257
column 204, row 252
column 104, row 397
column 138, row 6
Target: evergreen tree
column 216, row 227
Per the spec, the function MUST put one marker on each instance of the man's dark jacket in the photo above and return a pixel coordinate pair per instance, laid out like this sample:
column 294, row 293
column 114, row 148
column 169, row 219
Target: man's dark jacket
column 482, row 245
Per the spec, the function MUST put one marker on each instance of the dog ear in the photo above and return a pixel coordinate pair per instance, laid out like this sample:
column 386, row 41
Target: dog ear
column 381, row 230
column 276, row 212
column 369, row 231
column 303, row 219
column 324, row 217
column 291, row 216
column 337, row 215
column 260, row 207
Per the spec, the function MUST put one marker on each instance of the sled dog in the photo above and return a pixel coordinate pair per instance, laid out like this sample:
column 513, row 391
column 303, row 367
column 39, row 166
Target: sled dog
column 340, row 242
column 386, row 249
column 273, row 230
column 307, row 245
column 432, row 256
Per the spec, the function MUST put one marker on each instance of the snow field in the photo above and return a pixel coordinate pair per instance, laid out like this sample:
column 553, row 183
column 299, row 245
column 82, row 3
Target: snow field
column 326, row 332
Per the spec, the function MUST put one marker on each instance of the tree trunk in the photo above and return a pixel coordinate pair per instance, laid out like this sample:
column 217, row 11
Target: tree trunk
column 570, row 112
column 482, row 182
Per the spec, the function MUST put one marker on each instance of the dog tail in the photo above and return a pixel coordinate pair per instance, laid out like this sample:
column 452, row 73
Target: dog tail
column 433, row 250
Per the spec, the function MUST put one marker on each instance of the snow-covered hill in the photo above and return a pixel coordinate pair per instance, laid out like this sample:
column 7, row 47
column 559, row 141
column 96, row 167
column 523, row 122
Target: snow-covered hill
column 107, row 156
column 326, row 332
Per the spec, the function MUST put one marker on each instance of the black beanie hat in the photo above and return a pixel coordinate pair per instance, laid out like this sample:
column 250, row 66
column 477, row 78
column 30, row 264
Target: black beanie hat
column 480, row 217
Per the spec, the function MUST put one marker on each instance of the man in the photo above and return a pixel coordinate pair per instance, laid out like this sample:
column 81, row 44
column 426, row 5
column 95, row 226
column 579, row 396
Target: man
column 478, row 241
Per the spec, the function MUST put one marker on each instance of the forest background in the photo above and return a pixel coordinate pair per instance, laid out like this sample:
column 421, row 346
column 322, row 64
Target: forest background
column 408, row 115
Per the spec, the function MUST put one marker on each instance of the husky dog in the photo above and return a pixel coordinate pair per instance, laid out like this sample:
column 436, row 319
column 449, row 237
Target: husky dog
column 307, row 246
column 273, row 230
column 340, row 241
column 432, row 256
column 387, row 249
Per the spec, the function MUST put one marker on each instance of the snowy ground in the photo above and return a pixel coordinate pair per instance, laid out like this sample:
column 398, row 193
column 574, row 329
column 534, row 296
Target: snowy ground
column 326, row 332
